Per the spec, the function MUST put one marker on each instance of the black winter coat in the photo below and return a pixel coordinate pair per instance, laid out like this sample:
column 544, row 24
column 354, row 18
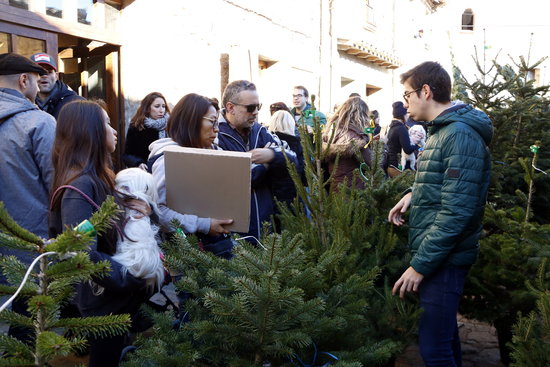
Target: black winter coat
column 136, row 149
column 398, row 138
column 282, row 186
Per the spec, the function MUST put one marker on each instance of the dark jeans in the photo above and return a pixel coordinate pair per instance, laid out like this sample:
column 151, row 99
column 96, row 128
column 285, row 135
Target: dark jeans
column 221, row 246
column 105, row 352
column 438, row 331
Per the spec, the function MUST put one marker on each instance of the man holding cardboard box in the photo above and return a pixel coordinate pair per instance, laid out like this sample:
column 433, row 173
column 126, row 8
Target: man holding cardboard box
column 240, row 131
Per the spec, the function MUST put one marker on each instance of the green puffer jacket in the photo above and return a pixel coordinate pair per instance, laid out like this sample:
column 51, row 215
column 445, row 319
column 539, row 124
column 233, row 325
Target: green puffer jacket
column 450, row 190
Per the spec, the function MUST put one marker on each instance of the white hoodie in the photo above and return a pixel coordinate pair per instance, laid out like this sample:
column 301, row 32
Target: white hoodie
column 190, row 223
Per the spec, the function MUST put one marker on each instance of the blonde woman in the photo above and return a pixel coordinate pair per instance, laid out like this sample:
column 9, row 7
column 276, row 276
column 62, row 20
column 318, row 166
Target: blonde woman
column 348, row 142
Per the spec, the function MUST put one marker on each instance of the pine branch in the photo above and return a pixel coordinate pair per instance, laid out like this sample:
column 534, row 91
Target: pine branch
column 16, row 230
column 70, row 240
column 14, row 271
column 7, row 290
column 77, row 268
column 13, row 348
column 102, row 220
column 43, row 303
column 13, row 362
column 16, row 319
column 10, row 241
column 50, row 345
column 96, row 326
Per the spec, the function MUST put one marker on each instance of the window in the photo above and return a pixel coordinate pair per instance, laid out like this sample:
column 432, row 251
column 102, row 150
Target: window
column 468, row 20
column 4, row 43
column 85, row 8
column 22, row 4
column 54, row 8
column 25, row 41
column 27, row 46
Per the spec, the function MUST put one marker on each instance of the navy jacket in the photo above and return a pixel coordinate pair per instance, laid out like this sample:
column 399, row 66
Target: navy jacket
column 261, row 205
column 59, row 97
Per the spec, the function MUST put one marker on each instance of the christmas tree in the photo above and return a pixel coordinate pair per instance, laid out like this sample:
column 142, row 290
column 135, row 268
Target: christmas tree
column 350, row 225
column 318, row 292
column 530, row 346
column 516, row 229
column 63, row 262
column 520, row 112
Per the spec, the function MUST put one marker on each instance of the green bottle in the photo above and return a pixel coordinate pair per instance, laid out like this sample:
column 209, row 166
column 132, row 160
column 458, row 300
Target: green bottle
column 86, row 227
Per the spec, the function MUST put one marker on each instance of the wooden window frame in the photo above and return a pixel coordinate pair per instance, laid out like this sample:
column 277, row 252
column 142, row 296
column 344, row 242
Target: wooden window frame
column 31, row 19
column 49, row 38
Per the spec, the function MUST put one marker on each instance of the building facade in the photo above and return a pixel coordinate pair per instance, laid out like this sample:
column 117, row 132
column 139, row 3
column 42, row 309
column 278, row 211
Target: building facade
column 121, row 50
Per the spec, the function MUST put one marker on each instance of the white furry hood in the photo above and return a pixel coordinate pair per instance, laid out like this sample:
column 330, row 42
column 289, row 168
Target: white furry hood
column 159, row 145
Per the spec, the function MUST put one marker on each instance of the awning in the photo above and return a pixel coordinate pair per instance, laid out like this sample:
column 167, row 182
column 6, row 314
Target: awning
column 368, row 52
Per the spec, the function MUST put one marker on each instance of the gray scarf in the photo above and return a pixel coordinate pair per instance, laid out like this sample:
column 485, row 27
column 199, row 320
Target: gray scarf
column 159, row 124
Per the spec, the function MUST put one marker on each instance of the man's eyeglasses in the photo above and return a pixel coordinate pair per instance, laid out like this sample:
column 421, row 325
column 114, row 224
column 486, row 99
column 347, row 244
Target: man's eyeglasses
column 249, row 107
column 297, row 95
column 406, row 95
column 214, row 121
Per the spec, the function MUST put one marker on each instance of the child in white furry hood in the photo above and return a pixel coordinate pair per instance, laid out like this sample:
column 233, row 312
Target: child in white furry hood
column 417, row 135
column 138, row 251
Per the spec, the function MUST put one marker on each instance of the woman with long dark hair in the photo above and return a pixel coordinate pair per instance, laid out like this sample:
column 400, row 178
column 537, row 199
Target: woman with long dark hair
column 81, row 158
column 147, row 125
column 193, row 124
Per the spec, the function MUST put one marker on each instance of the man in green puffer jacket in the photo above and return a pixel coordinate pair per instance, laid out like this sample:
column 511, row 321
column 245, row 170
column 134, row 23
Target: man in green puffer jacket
column 447, row 203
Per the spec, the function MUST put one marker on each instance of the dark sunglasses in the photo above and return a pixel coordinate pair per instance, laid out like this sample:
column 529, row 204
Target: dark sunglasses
column 249, row 107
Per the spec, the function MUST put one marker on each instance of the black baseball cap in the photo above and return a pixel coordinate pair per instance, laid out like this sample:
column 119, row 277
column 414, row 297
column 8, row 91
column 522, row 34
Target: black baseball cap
column 12, row 63
column 43, row 58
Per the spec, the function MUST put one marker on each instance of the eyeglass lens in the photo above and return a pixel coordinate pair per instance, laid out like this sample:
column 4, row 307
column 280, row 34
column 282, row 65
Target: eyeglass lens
column 252, row 107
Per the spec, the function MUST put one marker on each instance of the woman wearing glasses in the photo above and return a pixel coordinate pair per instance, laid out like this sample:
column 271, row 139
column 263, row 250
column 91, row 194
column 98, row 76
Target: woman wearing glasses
column 348, row 141
column 193, row 124
column 147, row 125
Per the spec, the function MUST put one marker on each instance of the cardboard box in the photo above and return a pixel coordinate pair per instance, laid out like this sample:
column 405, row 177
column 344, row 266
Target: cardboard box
column 209, row 183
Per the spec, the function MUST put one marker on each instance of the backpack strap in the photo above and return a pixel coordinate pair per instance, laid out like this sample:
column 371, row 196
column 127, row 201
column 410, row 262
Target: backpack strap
column 88, row 199
column 152, row 161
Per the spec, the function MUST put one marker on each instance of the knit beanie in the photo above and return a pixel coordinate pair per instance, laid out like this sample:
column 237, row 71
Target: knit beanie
column 399, row 111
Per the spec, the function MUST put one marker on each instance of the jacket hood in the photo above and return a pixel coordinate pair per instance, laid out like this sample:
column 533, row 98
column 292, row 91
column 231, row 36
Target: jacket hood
column 476, row 119
column 61, row 91
column 13, row 102
column 158, row 146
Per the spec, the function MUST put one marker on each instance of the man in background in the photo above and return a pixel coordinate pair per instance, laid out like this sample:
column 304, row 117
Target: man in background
column 53, row 94
column 302, row 112
column 241, row 132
